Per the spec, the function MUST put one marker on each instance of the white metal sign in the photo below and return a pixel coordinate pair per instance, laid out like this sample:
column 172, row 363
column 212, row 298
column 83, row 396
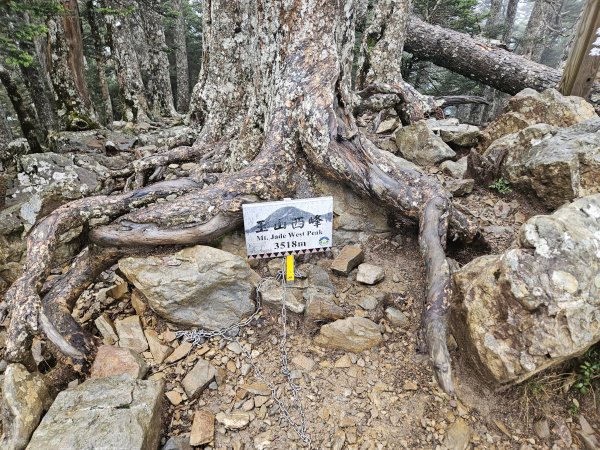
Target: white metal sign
column 288, row 227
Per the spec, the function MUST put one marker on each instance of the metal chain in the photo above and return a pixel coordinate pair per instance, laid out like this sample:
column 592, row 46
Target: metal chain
column 198, row 336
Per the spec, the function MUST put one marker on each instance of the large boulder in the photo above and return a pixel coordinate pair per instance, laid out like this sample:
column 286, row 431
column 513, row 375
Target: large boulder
column 113, row 412
column 535, row 305
column 557, row 164
column 25, row 397
column 198, row 286
column 418, row 144
column 529, row 107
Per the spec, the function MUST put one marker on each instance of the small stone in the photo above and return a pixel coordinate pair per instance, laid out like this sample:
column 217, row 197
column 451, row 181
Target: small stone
column 235, row 420
column 248, row 405
column 131, row 334
column 354, row 334
column 410, row 386
column 260, row 400
column 158, row 349
column 349, row 258
column 180, row 352
column 369, row 303
column 369, row 274
column 111, row 361
column 119, row 290
column 138, row 303
column 303, row 362
column 339, row 439
column 460, row 188
column 396, row 317
column 198, row 378
column 502, row 209
column 458, row 435
column 231, row 366
column 542, row 429
column 257, row 388
column 343, row 362
column 386, row 126
column 177, row 443
column 174, row 397
column 320, row 306
column 203, row 428
column 456, row 169
column 107, row 329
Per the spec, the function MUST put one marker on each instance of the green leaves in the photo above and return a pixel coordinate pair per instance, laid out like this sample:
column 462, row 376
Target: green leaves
column 22, row 22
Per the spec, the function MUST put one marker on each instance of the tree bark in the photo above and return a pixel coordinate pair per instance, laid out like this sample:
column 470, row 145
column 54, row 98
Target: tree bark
column 493, row 28
column 292, row 63
column 509, row 22
column 92, row 18
column 478, row 60
column 181, row 58
column 25, row 112
column 65, row 47
column 159, row 85
column 129, row 76
column 537, row 30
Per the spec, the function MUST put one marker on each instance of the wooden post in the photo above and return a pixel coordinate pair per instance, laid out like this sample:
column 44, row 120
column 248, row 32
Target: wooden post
column 584, row 59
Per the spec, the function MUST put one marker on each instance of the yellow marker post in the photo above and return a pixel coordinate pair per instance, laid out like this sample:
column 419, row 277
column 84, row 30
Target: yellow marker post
column 289, row 268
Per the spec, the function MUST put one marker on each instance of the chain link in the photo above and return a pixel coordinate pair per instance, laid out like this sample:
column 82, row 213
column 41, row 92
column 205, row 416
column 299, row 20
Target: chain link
column 230, row 334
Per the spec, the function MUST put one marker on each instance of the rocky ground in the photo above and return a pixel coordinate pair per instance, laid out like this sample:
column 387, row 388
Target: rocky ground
column 353, row 330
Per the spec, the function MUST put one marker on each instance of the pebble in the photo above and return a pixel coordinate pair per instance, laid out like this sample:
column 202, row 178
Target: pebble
column 369, row 303
column 174, row 397
column 369, row 274
column 203, row 428
column 303, row 362
column 179, row 353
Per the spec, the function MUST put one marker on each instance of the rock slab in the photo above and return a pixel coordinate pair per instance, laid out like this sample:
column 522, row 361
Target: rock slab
column 418, row 144
column 198, row 378
column 114, row 412
column 24, row 399
column 197, row 286
column 112, row 361
column 349, row 258
column 203, row 428
column 369, row 274
column 354, row 334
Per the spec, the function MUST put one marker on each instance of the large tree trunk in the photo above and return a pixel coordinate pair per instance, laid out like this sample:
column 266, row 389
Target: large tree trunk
column 25, row 112
column 538, row 30
column 509, row 22
column 65, row 47
column 92, row 18
column 134, row 106
column 181, row 58
column 159, row 85
column 478, row 60
column 285, row 90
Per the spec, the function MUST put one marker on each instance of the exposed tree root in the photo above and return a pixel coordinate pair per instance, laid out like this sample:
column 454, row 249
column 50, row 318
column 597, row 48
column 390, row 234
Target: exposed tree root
column 311, row 118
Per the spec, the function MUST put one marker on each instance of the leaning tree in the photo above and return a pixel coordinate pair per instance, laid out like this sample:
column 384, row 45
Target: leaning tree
column 274, row 104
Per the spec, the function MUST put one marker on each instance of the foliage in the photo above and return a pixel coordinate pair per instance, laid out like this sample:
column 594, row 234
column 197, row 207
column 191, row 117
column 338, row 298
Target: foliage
column 22, row 23
column 588, row 371
column 502, row 185
column 459, row 15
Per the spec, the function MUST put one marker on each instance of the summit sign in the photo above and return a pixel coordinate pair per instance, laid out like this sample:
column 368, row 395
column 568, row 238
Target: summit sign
column 288, row 227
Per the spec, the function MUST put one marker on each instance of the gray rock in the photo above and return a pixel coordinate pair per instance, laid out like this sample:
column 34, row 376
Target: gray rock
column 131, row 334
column 197, row 286
column 112, row 361
column 454, row 169
column 368, row 303
column 452, row 132
column 354, row 334
column 369, row 274
column 419, row 144
column 177, row 443
column 542, row 429
column 114, row 412
column 198, row 378
column 560, row 166
column 320, row 306
column 24, row 399
column 349, row 258
column 272, row 294
column 396, row 317
column 460, row 188
column 458, row 436
column 550, row 298
column 530, row 107
column 235, row 420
